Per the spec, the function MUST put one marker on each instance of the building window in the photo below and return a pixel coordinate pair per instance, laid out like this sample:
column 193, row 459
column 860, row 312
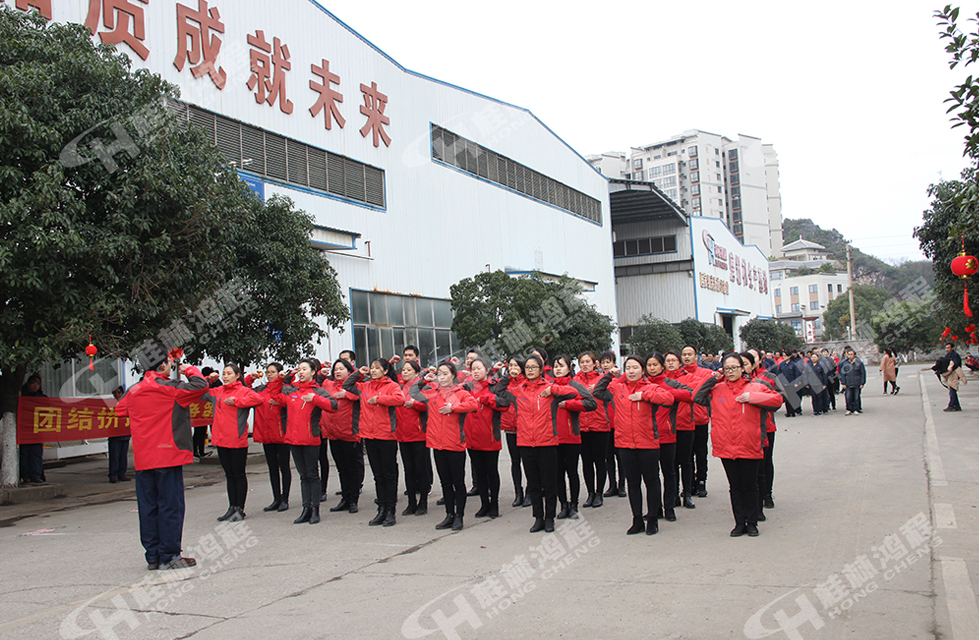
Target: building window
column 812, row 288
column 695, row 176
column 830, row 289
column 840, row 288
column 814, row 305
column 734, row 179
column 816, row 324
column 638, row 175
column 794, row 291
column 644, row 246
column 795, row 306
column 692, row 151
column 272, row 156
column 776, row 275
column 694, row 164
column 467, row 156
column 696, row 203
column 779, row 308
column 777, row 293
column 384, row 323
column 736, row 192
column 695, row 189
column 638, row 163
column 717, row 177
column 716, row 150
column 733, row 154
column 733, row 167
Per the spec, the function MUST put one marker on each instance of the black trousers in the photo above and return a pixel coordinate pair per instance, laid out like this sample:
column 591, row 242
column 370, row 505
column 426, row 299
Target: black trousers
column 820, row 401
column 280, row 475
column 233, row 462
column 541, row 467
column 451, row 466
column 349, row 458
column 383, row 457
column 324, row 462
column 418, row 470
column 515, row 460
column 612, row 455
column 833, row 388
column 200, row 435
column 160, row 500
column 743, row 483
column 668, row 467
column 700, row 453
column 765, row 469
column 305, row 458
column 568, row 455
column 637, row 464
column 594, row 445
column 684, row 459
column 32, row 462
column 487, row 475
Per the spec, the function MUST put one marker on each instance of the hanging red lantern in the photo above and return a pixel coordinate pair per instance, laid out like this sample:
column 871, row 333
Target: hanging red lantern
column 91, row 351
column 970, row 328
column 964, row 266
column 946, row 332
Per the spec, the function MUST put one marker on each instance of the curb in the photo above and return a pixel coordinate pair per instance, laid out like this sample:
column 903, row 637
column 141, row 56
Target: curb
column 20, row 495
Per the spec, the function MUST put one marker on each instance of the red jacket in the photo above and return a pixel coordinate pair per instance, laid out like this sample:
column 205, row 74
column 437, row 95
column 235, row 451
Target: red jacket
column 230, row 426
column 594, row 420
column 635, row 423
column 342, row 424
column 302, row 417
column 160, row 420
column 483, row 425
column 412, row 421
column 445, row 431
column 738, row 430
column 666, row 414
column 682, row 385
column 568, row 418
column 768, row 379
column 508, row 419
column 269, row 423
column 377, row 421
column 537, row 417
column 699, row 375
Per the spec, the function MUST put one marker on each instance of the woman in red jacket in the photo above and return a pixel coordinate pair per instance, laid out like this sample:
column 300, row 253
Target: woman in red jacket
column 483, row 439
column 738, row 434
column 636, row 436
column 752, row 362
column 445, row 434
column 569, row 441
column 595, row 432
column 229, row 433
column 684, row 418
column 379, row 397
column 537, row 435
column 412, row 421
column 666, row 416
column 304, row 401
column 508, row 424
column 269, row 428
column 344, row 435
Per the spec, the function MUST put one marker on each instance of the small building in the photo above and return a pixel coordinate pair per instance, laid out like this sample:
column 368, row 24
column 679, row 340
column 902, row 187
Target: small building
column 802, row 287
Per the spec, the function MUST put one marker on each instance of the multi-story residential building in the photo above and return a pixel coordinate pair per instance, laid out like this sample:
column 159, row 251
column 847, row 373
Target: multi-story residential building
column 801, row 300
column 775, row 200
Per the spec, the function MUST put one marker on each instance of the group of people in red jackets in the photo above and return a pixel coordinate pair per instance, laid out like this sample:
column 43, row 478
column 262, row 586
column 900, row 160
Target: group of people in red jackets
column 553, row 413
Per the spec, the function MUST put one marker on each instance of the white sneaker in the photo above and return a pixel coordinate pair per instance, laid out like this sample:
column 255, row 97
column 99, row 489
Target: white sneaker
column 849, row 413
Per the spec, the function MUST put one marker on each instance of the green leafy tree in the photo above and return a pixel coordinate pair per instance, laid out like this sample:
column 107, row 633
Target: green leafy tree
column 707, row 338
column 718, row 340
column 964, row 98
column 653, row 334
column 905, row 326
column 868, row 302
column 770, row 335
column 503, row 315
column 119, row 245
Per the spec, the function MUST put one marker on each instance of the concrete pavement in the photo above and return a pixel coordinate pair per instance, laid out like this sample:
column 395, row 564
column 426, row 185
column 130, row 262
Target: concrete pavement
column 874, row 535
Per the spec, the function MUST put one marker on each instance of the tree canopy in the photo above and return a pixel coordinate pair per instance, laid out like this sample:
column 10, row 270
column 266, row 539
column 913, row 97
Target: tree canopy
column 706, row 338
column 653, row 334
column 503, row 315
column 868, row 302
column 770, row 335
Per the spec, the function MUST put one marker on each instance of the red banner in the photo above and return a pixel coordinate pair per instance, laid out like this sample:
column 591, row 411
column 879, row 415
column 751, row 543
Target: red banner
column 66, row 419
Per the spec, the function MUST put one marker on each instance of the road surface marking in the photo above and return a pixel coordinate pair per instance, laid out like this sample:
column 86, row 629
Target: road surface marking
column 943, row 513
column 934, row 463
column 960, row 601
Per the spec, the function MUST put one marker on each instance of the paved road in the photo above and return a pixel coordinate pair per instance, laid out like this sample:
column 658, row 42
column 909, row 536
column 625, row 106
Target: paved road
column 874, row 535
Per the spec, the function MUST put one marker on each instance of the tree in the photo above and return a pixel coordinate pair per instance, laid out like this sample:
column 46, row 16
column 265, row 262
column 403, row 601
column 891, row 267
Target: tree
column 965, row 48
column 770, row 335
column 706, row 338
column 868, row 302
column 905, row 326
column 115, row 219
column 653, row 334
column 503, row 315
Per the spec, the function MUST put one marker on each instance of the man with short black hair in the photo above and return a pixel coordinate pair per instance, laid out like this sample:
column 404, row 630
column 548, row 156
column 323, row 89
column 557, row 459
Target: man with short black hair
column 953, row 373
column 349, row 356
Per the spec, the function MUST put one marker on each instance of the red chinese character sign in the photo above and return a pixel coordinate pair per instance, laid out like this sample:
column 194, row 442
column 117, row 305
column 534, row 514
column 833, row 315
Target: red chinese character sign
column 374, row 108
column 117, row 17
column 268, row 79
column 328, row 97
column 43, row 6
column 194, row 29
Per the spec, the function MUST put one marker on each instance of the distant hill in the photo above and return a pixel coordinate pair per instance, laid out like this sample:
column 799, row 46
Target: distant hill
column 867, row 269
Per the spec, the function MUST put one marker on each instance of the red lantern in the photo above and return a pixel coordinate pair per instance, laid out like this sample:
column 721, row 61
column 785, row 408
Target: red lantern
column 176, row 354
column 964, row 266
column 91, row 351
column 969, row 328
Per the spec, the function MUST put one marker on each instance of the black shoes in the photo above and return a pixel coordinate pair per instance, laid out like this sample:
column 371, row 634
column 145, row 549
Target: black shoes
column 379, row 518
column 752, row 530
column 343, row 505
column 527, row 500
column 549, row 525
column 768, row 503
column 761, row 517
column 305, row 516
column 227, row 515
column 447, row 522
column 458, row 522
column 410, row 510
column 152, row 566
column 611, row 492
column 652, row 526
column 237, row 516
column 389, row 520
column 353, row 507
column 538, row 525
column 283, row 506
column 423, row 507
column 315, row 515
column 597, row 502
column 588, row 501
column 622, row 488
column 494, row 510
column 441, row 502
column 472, row 492
column 518, row 498
column 572, row 511
column 669, row 516
column 688, row 502
column 739, row 530
column 637, row 527
column 563, row 514
column 483, row 512
column 275, row 505
column 702, row 490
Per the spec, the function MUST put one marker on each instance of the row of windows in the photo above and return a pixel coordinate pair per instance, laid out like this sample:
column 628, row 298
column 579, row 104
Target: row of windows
column 644, row 246
column 385, row 323
column 814, row 306
column 663, row 183
column 479, row 161
column 273, row 156
column 663, row 170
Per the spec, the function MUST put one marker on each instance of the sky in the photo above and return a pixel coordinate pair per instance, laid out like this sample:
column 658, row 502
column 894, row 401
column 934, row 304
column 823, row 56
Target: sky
column 849, row 93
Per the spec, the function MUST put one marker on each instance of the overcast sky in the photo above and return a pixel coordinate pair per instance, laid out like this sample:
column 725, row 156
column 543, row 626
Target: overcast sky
column 849, row 93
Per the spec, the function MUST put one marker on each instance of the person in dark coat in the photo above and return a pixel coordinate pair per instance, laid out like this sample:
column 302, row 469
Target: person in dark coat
column 853, row 376
column 32, row 455
column 790, row 374
column 118, row 450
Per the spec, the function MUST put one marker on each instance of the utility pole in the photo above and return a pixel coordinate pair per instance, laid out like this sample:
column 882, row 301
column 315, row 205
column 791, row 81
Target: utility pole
column 850, row 289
